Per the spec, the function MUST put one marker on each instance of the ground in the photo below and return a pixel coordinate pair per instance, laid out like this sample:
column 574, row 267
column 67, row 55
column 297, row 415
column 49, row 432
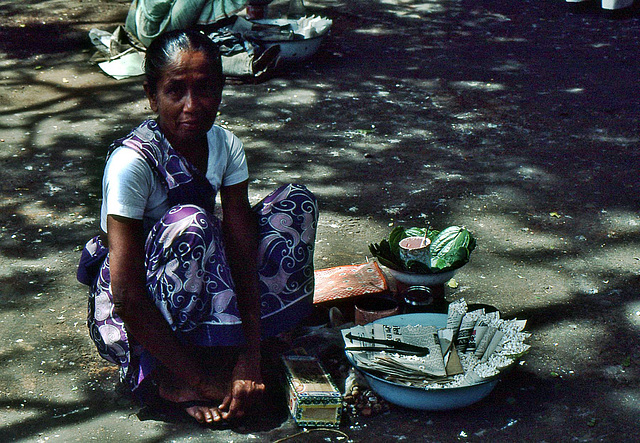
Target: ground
column 518, row 120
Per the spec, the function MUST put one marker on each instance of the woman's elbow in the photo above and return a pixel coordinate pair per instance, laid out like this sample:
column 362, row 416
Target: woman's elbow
column 120, row 307
column 124, row 304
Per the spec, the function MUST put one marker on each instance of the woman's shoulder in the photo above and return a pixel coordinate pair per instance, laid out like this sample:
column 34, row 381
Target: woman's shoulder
column 124, row 161
column 124, row 153
column 219, row 131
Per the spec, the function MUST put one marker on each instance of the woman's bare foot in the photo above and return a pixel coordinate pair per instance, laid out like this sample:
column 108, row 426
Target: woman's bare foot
column 204, row 414
column 202, row 403
column 202, row 409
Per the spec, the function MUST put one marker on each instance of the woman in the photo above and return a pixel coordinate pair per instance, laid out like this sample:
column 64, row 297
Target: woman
column 173, row 289
column 147, row 19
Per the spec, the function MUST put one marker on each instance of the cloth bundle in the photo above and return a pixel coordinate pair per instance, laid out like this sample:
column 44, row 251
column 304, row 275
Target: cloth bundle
column 147, row 19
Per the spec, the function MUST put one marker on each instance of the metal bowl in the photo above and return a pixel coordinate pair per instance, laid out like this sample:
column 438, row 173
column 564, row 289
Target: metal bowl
column 292, row 50
column 440, row 399
column 438, row 278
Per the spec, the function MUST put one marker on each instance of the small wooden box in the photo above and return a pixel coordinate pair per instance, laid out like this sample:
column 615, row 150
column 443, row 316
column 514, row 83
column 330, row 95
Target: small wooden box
column 313, row 398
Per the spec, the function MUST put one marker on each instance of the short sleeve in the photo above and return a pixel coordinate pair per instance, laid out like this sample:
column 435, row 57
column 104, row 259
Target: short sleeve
column 126, row 185
column 237, row 169
column 227, row 161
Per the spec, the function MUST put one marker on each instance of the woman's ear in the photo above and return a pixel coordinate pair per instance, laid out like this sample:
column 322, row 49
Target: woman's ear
column 153, row 102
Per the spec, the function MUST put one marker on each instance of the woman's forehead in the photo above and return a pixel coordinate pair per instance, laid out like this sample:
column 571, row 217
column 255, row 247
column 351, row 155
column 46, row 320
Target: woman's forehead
column 188, row 57
column 189, row 61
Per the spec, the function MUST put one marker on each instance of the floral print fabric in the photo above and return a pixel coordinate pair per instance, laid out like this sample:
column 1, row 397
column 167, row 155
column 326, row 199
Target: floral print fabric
column 190, row 282
column 188, row 277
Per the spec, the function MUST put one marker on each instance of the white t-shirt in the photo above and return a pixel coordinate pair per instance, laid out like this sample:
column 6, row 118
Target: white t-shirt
column 130, row 188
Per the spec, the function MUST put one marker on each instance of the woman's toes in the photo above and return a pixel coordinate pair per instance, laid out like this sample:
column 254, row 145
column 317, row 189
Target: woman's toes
column 196, row 412
column 204, row 414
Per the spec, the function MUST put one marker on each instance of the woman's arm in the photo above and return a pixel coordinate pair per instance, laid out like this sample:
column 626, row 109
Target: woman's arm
column 241, row 245
column 141, row 317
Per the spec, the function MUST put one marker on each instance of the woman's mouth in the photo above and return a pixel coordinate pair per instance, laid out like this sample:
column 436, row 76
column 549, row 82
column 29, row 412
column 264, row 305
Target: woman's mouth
column 189, row 125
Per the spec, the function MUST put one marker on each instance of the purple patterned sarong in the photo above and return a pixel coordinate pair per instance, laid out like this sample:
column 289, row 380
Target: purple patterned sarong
column 189, row 279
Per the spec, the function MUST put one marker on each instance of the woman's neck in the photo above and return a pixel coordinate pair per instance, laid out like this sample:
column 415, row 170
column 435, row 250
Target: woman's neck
column 195, row 152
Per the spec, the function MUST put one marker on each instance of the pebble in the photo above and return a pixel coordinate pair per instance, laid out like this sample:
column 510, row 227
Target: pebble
column 364, row 402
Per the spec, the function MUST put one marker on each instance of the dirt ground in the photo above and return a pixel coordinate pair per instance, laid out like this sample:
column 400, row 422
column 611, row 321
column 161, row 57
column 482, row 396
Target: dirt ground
column 518, row 120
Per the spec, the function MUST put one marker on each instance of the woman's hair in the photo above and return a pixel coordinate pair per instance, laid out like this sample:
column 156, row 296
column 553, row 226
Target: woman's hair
column 164, row 50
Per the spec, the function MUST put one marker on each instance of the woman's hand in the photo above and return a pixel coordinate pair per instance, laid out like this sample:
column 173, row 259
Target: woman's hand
column 246, row 388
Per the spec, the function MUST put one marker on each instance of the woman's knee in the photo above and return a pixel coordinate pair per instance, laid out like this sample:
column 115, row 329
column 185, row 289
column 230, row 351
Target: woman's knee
column 303, row 193
column 182, row 213
column 184, row 220
column 292, row 198
column 309, row 203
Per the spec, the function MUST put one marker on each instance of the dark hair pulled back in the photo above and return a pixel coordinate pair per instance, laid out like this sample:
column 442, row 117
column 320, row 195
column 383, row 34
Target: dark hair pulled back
column 164, row 50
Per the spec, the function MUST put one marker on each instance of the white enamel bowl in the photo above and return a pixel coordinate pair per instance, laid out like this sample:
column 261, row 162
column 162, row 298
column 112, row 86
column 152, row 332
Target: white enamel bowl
column 292, row 50
column 425, row 399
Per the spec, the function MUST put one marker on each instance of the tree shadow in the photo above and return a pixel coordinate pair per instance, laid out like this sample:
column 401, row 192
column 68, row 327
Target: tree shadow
column 496, row 113
column 42, row 28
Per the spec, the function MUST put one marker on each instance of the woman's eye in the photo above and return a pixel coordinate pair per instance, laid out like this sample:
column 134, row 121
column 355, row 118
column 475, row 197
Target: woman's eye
column 174, row 90
column 205, row 87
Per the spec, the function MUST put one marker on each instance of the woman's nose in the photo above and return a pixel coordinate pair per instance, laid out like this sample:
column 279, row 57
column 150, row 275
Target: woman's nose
column 190, row 101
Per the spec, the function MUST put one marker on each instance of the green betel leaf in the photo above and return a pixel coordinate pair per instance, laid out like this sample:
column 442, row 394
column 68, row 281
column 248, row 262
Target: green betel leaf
column 416, row 267
column 395, row 237
column 453, row 247
column 383, row 253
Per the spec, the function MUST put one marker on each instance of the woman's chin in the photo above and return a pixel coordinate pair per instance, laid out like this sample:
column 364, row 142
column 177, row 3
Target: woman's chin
column 185, row 137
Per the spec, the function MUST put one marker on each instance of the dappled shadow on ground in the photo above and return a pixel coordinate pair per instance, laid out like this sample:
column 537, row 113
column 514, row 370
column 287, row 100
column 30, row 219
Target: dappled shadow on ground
column 518, row 119
column 37, row 28
column 523, row 407
column 40, row 417
column 40, row 39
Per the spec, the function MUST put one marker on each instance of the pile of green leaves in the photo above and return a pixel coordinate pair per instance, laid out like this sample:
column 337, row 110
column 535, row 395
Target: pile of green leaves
column 452, row 256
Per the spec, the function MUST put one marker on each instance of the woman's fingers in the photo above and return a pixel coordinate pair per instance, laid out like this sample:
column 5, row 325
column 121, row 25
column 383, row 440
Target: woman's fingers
column 243, row 394
column 224, row 406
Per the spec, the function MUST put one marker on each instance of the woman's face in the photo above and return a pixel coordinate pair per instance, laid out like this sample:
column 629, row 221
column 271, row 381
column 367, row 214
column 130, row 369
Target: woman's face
column 187, row 99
